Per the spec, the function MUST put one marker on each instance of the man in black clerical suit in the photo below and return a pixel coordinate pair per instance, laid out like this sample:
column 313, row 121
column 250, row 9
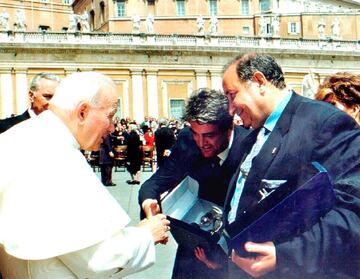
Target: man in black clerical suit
column 106, row 161
column 290, row 132
column 164, row 140
column 42, row 88
column 205, row 151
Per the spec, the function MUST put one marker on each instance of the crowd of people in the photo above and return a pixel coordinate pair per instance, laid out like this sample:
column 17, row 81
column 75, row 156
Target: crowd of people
column 47, row 220
column 132, row 141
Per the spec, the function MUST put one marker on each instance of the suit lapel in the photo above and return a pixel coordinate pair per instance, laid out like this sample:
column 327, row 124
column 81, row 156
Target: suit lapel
column 236, row 149
column 262, row 162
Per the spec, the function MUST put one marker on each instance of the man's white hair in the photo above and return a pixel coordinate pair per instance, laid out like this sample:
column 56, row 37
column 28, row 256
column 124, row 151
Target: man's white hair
column 78, row 87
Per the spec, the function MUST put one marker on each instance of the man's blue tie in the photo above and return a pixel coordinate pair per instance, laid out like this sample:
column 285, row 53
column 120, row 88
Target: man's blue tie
column 244, row 171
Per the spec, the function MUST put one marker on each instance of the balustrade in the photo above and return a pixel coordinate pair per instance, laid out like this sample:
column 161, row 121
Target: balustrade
column 174, row 39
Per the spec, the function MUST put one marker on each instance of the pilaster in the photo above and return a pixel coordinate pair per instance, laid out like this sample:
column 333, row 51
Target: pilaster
column 152, row 87
column 6, row 93
column 138, row 96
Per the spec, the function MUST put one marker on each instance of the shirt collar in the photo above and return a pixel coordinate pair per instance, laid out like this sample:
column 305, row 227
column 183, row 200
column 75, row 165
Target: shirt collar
column 275, row 115
column 223, row 155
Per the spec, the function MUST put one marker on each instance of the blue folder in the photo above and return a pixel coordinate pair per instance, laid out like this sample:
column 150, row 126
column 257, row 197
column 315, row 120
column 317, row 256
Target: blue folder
column 296, row 212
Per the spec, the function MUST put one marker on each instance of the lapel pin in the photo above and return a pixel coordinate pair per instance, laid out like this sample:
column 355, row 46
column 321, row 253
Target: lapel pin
column 273, row 151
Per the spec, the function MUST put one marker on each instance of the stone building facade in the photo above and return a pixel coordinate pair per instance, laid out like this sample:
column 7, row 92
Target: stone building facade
column 156, row 71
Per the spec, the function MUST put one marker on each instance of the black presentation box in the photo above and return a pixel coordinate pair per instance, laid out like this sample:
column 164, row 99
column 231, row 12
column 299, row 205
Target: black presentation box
column 194, row 221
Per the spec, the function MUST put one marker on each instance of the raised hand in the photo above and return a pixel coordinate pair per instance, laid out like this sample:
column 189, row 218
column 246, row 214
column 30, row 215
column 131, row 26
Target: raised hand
column 150, row 207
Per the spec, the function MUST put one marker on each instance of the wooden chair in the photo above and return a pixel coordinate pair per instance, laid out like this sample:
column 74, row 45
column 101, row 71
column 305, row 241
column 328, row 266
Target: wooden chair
column 93, row 159
column 120, row 157
column 148, row 158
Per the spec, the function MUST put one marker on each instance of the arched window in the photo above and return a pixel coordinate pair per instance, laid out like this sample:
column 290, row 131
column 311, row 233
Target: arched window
column 92, row 20
column 102, row 12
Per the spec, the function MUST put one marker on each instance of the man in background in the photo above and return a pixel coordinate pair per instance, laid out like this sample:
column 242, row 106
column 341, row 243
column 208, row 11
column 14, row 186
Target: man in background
column 106, row 161
column 42, row 88
column 62, row 222
column 205, row 151
column 164, row 140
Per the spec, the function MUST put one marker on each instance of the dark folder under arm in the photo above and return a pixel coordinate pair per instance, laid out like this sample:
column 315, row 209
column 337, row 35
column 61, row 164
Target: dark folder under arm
column 282, row 215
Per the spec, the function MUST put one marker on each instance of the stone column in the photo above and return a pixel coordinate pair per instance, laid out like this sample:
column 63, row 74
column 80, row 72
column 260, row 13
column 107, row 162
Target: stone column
column 22, row 102
column 201, row 79
column 6, row 93
column 164, row 96
column 216, row 79
column 138, row 95
column 126, row 112
column 190, row 88
column 152, row 88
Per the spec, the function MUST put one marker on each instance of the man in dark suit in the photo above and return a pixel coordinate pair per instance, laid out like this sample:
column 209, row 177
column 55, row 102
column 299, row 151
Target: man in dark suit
column 106, row 161
column 290, row 132
column 164, row 140
column 205, row 151
column 42, row 88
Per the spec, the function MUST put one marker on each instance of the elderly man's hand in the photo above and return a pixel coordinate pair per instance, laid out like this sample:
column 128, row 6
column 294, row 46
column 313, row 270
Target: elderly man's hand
column 263, row 263
column 158, row 226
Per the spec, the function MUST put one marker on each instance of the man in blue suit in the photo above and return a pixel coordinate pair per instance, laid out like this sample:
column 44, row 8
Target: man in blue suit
column 290, row 132
column 205, row 151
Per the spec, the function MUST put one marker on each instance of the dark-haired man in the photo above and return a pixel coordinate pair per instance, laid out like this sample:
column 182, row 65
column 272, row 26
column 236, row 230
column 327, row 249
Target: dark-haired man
column 42, row 88
column 205, row 151
column 290, row 132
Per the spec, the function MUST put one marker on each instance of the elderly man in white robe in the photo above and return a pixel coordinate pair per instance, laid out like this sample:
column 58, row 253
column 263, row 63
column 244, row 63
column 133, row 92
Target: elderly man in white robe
column 56, row 218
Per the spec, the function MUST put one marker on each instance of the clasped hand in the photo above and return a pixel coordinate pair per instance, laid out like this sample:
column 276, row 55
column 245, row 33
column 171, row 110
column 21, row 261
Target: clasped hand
column 152, row 212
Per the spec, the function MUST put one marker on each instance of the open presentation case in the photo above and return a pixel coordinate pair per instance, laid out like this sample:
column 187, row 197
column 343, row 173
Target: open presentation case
column 194, row 221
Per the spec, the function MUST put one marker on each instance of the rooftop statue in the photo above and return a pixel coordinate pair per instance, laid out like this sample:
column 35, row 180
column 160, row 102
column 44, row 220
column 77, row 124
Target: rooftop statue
column 136, row 20
column 200, row 23
column 20, row 24
column 4, row 21
column 214, row 25
column 149, row 22
column 85, row 26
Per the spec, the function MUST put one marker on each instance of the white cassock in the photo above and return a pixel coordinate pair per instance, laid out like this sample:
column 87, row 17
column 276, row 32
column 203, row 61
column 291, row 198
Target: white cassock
column 56, row 218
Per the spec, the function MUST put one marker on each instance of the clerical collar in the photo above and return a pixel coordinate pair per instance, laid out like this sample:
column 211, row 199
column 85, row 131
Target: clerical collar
column 275, row 115
column 223, row 155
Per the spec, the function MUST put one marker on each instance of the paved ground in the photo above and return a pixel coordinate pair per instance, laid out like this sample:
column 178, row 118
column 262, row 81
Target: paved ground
column 127, row 196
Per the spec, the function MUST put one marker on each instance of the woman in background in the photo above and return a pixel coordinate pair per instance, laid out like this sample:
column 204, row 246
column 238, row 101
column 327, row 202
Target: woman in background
column 134, row 155
column 343, row 91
